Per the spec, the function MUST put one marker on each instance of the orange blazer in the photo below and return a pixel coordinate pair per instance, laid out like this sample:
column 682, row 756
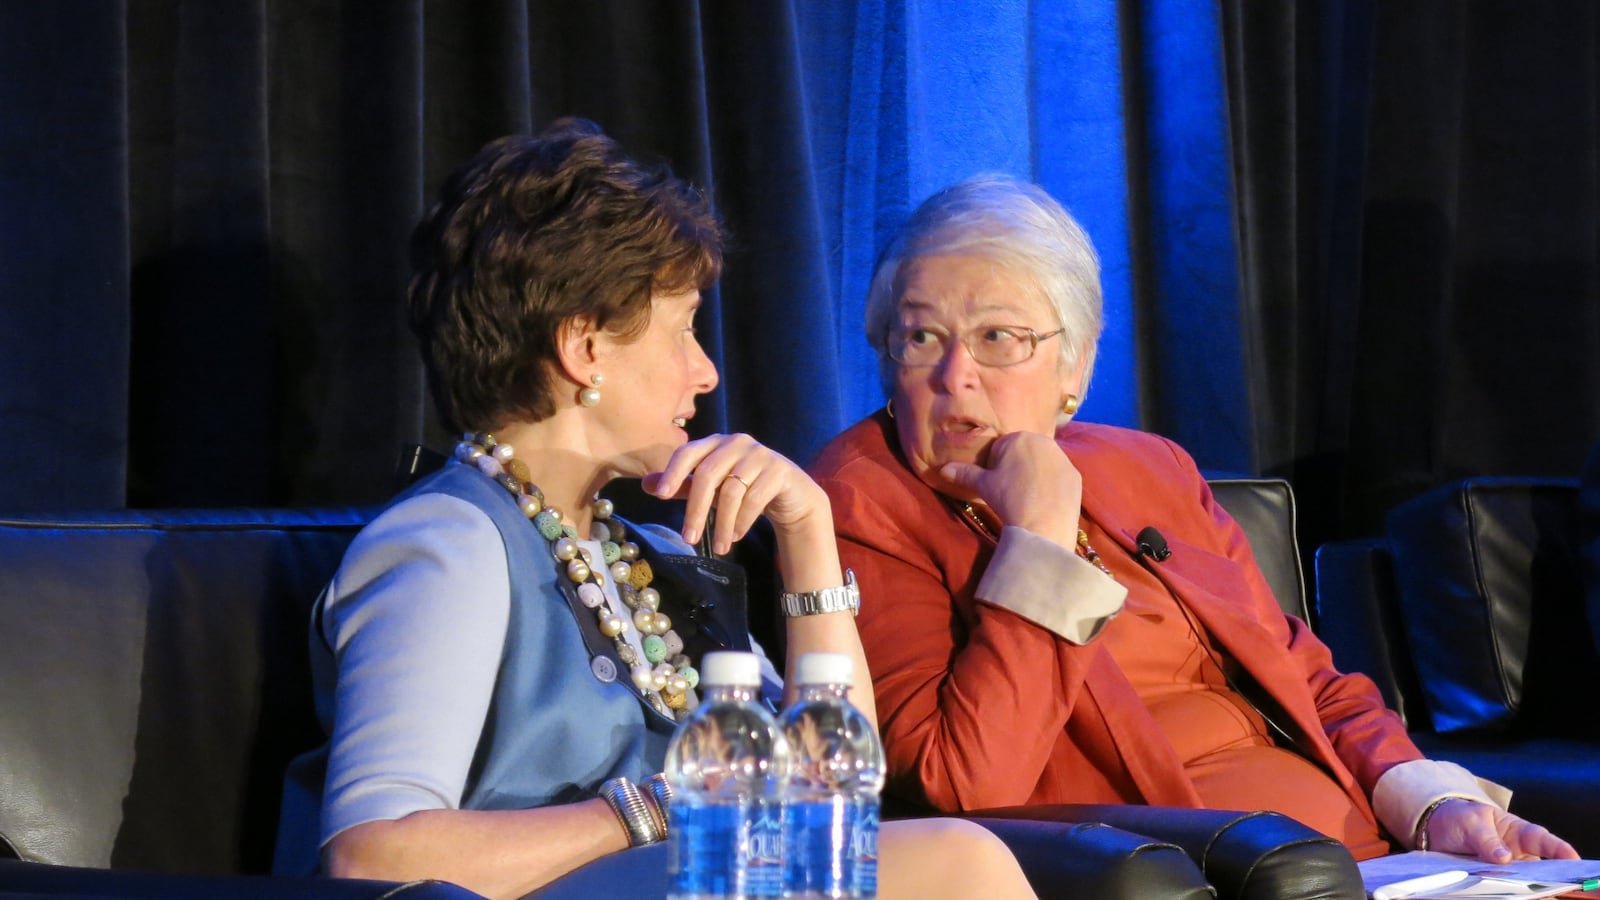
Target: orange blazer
column 981, row 708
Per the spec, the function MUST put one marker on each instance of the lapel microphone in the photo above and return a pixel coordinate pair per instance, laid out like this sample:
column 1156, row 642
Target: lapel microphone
column 1152, row 544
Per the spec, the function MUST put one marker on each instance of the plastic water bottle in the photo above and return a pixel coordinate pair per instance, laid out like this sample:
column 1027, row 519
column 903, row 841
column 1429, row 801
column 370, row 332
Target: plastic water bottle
column 727, row 763
column 830, row 811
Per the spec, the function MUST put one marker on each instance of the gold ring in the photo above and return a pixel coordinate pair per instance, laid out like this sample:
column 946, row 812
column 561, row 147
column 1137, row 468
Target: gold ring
column 735, row 477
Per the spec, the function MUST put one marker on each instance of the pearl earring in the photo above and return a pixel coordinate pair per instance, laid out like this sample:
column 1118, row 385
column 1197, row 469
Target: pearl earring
column 590, row 396
column 1070, row 404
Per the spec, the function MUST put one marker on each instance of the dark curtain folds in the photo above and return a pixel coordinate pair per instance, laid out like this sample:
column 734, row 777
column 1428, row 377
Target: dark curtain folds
column 64, row 315
column 1347, row 241
column 274, row 166
column 249, row 187
column 1416, row 185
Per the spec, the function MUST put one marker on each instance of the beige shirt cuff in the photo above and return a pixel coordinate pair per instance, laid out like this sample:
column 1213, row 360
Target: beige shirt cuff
column 1403, row 792
column 1050, row 585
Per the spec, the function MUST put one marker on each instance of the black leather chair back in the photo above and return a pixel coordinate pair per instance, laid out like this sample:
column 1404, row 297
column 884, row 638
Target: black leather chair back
column 1469, row 559
column 1264, row 508
column 1468, row 613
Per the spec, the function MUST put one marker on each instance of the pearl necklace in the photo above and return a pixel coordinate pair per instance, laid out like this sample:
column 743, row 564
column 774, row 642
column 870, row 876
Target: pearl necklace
column 665, row 676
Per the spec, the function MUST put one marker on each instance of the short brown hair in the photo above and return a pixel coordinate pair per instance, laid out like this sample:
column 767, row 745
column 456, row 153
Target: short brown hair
column 530, row 232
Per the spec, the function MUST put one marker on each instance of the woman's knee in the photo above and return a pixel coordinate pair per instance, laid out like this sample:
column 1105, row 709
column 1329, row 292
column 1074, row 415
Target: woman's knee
column 947, row 858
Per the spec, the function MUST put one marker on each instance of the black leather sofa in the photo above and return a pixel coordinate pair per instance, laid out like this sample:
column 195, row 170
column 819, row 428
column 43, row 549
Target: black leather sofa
column 154, row 683
column 1469, row 614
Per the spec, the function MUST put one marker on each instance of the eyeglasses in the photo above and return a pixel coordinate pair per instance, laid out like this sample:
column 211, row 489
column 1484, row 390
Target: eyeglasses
column 995, row 346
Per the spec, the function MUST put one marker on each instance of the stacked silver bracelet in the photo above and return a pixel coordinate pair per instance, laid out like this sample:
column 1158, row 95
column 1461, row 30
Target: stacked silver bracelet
column 633, row 811
column 658, row 791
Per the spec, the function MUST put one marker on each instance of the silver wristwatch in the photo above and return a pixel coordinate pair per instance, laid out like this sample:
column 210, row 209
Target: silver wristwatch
column 827, row 600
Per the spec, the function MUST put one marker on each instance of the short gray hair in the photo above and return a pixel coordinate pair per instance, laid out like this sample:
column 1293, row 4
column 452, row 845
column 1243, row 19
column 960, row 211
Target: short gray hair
column 1015, row 224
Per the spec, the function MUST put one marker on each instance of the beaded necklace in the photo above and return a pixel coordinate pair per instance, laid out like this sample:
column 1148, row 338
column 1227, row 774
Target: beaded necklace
column 665, row 676
column 1087, row 552
column 1083, row 549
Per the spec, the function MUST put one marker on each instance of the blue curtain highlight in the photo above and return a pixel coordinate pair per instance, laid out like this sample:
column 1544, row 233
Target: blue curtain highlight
column 905, row 99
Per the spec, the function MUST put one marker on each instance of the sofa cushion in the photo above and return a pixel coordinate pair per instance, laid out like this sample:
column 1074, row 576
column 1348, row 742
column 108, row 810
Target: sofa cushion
column 72, row 651
column 1468, row 559
column 146, row 650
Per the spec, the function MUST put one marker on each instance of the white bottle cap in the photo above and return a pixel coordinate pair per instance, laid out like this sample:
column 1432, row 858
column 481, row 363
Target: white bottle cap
column 824, row 668
column 731, row 667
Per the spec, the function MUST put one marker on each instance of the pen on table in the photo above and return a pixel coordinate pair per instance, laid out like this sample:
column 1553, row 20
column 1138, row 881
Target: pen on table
column 1589, row 884
column 1418, row 885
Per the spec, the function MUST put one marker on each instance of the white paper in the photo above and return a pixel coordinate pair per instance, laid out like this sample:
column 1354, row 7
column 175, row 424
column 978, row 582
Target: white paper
column 1502, row 888
column 1522, row 879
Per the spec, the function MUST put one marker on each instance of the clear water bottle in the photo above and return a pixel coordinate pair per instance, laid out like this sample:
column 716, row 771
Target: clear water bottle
column 727, row 763
column 830, row 810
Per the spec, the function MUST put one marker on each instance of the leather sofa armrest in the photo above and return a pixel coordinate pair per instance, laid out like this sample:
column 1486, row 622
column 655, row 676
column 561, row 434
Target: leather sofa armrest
column 1358, row 615
column 1062, row 859
column 31, row 879
column 1244, row 855
column 1094, row 860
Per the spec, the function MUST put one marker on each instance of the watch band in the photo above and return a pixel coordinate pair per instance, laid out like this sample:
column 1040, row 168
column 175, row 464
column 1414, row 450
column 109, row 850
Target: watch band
column 625, row 800
column 827, row 600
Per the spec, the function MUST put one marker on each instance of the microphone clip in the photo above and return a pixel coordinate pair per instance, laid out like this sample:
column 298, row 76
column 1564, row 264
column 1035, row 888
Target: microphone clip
column 1152, row 544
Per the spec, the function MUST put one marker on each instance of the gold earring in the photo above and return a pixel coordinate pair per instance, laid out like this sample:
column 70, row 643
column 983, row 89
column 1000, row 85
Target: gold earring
column 590, row 396
column 889, row 407
column 1070, row 404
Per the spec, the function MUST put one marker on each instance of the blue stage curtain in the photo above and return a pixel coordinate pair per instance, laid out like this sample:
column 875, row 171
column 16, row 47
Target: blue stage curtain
column 204, row 256
column 1320, row 259
column 1070, row 95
